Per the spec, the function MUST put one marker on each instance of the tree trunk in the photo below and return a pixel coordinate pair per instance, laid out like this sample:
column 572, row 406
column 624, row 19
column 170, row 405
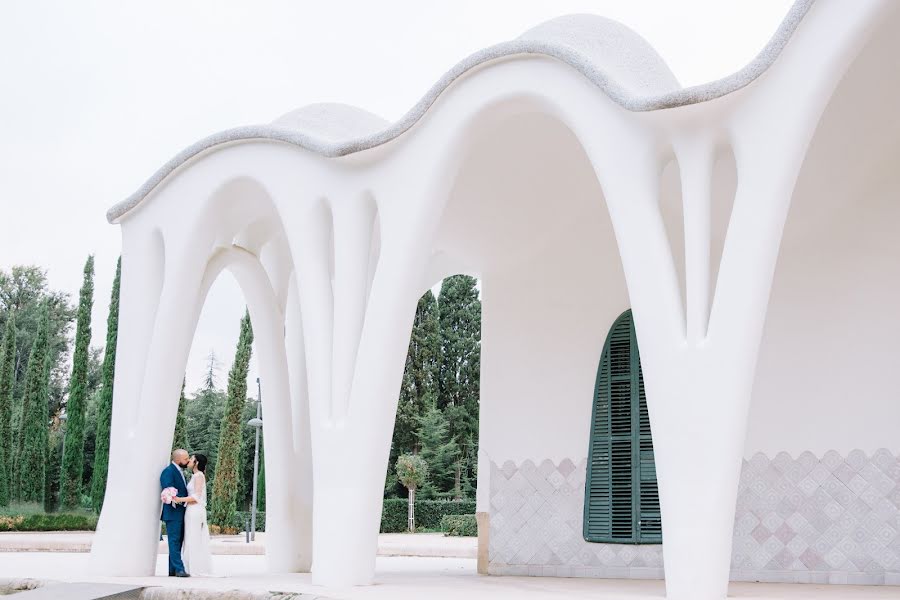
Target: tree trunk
column 411, row 512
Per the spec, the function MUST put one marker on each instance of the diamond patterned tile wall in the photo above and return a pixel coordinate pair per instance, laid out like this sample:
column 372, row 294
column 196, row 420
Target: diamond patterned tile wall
column 832, row 519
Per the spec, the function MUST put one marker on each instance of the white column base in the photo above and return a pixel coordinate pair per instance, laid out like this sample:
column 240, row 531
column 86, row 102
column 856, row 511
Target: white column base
column 346, row 536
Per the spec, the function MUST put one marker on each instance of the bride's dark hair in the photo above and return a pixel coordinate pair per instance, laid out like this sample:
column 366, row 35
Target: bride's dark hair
column 201, row 462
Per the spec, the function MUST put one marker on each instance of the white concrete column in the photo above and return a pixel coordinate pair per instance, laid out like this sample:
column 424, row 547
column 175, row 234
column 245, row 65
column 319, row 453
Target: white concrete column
column 350, row 458
column 312, row 253
column 131, row 517
column 353, row 220
column 285, row 552
column 693, row 398
column 302, row 525
column 695, row 160
column 143, row 267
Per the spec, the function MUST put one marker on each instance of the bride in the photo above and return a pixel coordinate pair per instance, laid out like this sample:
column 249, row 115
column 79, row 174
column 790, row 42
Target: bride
column 196, row 553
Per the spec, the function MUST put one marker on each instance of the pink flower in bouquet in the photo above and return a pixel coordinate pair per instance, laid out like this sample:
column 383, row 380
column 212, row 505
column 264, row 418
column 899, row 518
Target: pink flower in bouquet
column 168, row 495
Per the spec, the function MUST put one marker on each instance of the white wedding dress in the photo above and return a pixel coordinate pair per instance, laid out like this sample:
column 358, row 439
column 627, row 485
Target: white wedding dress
column 195, row 552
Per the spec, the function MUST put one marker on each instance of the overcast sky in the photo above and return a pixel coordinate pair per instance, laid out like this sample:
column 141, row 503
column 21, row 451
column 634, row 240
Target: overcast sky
column 95, row 96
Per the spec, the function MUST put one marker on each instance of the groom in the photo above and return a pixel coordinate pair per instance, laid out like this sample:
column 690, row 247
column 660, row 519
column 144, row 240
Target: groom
column 173, row 514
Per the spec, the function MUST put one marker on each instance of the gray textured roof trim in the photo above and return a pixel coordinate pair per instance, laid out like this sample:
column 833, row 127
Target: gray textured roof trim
column 588, row 68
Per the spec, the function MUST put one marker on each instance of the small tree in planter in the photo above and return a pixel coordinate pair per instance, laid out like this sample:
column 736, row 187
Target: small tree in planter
column 412, row 471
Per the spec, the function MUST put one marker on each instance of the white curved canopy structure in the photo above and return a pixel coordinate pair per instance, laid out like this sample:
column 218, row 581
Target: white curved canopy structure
column 570, row 159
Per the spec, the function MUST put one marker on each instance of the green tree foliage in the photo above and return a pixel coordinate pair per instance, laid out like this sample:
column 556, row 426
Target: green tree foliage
column 179, row 440
column 90, row 442
column 95, row 374
column 248, row 444
column 419, row 384
column 261, row 489
column 460, row 372
column 203, row 416
column 73, row 456
column 439, row 451
column 412, row 472
column 31, row 464
column 224, row 499
column 52, row 472
column 442, row 370
column 245, row 483
column 418, row 389
column 7, row 382
column 105, row 397
column 24, row 291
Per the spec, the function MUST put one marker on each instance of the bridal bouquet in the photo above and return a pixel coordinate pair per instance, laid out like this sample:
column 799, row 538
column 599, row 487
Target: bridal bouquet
column 168, row 494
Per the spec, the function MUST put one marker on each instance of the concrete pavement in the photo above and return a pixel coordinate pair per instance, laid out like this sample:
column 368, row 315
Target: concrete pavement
column 389, row 544
column 403, row 578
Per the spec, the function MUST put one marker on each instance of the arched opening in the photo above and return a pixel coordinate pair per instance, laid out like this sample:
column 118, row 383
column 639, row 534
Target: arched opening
column 438, row 412
column 216, row 409
column 527, row 214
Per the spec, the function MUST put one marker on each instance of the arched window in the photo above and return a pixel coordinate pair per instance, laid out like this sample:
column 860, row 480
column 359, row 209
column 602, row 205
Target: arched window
column 621, row 499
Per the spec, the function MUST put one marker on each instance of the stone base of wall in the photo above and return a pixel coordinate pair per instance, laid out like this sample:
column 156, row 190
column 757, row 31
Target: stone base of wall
column 483, row 521
column 832, row 519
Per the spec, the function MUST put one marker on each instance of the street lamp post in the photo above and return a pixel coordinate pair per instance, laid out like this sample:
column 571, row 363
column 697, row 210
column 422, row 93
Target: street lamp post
column 63, row 419
column 257, row 425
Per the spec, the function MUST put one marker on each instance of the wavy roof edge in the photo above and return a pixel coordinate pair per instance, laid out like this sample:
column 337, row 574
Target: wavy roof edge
column 607, row 60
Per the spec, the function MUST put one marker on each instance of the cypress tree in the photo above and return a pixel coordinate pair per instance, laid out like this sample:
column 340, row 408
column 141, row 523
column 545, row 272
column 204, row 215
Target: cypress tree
column 248, row 447
column 460, row 370
column 440, row 452
column 7, row 383
column 179, row 440
column 419, row 375
column 52, row 472
column 261, row 485
column 104, row 407
column 33, row 442
column 418, row 389
column 73, row 457
column 224, row 499
column 90, row 440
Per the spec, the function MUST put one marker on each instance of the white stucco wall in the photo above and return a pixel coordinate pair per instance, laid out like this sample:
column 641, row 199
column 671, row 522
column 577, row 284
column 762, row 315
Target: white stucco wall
column 541, row 344
column 827, row 376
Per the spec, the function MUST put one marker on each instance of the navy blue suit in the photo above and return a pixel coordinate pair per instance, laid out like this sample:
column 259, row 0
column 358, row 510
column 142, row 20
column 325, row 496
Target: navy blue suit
column 173, row 516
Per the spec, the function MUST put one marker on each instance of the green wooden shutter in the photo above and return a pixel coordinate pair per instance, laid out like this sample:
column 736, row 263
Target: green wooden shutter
column 621, row 503
column 598, row 497
column 649, row 521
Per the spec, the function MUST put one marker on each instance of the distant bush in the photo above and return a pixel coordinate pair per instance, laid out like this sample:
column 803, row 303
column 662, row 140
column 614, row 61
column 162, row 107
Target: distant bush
column 241, row 518
column 459, row 525
column 48, row 522
column 239, row 524
column 428, row 513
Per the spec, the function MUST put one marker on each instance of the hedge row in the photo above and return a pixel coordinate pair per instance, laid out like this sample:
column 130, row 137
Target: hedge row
column 241, row 518
column 48, row 522
column 428, row 513
column 460, row 525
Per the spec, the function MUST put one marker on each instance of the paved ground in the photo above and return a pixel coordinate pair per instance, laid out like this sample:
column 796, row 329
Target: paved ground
column 390, row 544
column 413, row 578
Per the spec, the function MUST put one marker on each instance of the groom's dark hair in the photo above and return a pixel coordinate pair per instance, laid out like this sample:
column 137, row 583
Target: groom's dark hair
column 201, row 462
